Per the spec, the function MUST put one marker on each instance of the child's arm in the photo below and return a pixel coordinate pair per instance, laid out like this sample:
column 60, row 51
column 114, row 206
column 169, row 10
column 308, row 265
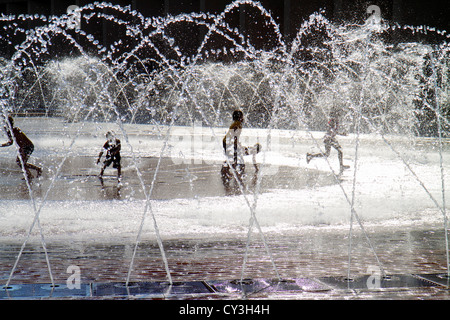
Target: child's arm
column 224, row 142
column 235, row 126
column 10, row 142
column 105, row 148
column 99, row 156
column 7, row 144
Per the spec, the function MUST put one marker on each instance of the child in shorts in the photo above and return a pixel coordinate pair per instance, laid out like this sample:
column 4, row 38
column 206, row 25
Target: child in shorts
column 112, row 148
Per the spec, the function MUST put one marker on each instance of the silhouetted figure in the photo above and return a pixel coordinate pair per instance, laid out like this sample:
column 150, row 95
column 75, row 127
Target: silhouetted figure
column 233, row 149
column 112, row 148
column 331, row 141
column 235, row 153
column 25, row 146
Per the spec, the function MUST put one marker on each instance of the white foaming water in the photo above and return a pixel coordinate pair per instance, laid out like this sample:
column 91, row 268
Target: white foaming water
column 387, row 194
column 390, row 188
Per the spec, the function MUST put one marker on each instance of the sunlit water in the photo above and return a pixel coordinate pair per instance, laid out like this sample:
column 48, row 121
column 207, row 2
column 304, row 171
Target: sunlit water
column 171, row 107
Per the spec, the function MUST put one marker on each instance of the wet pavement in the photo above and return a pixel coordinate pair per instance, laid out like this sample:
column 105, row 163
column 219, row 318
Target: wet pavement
column 78, row 180
column 316, row 254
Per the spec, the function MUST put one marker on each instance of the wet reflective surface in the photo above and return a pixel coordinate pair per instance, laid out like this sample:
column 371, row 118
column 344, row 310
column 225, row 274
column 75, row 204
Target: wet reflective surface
column 78, row 180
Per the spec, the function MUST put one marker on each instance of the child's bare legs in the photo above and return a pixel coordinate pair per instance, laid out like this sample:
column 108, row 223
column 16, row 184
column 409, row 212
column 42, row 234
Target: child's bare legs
column 32, row 166
column 27, row 166
column 325, row 154
column 102, row 170
column 119, row 172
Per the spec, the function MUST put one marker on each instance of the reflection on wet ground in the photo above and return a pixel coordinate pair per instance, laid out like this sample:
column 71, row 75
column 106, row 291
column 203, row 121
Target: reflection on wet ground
column 78, row 180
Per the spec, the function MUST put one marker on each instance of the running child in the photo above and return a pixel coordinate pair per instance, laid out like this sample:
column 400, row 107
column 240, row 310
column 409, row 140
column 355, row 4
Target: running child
column 26, row 148
column 234, row 151
column 331, row 141
column 232, row 146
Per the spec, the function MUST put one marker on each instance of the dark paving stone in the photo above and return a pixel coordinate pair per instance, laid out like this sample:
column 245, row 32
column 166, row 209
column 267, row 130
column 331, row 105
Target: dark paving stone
column 439, row 279
column 371, row 282
column 249, row 286
column 42, row 290
column 156, row 289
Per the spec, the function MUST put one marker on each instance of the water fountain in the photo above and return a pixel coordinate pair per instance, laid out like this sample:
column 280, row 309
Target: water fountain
column 170, row 102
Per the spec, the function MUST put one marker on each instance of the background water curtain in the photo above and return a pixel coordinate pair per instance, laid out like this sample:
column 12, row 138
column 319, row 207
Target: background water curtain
column 203, row 66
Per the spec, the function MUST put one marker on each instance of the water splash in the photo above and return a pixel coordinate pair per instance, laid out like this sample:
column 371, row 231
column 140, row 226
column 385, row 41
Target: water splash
column 153, row 72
